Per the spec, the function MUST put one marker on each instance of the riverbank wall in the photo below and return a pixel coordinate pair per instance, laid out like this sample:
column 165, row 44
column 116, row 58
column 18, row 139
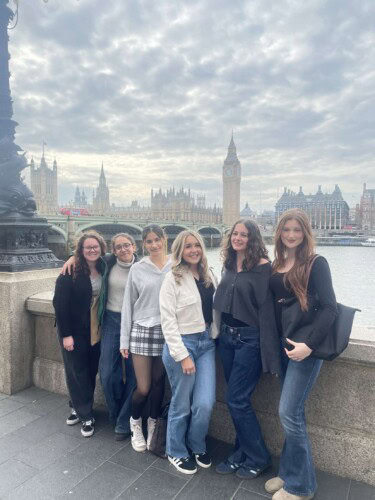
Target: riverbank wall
column 340, row 411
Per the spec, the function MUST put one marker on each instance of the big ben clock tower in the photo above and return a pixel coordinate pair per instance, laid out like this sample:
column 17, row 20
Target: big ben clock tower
column 231, row 186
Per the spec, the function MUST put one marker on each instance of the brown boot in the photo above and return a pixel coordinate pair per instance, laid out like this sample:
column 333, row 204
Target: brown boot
column 274, row 484
column 284, row 495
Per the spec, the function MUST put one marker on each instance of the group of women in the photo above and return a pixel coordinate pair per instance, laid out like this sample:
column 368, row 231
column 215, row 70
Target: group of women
column 162, row 315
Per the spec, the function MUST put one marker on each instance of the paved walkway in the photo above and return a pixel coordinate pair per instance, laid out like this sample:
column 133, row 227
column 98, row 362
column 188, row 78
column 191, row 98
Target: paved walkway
column 42, row 458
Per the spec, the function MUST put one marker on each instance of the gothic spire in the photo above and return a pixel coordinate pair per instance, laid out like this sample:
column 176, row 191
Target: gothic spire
column 232, row 151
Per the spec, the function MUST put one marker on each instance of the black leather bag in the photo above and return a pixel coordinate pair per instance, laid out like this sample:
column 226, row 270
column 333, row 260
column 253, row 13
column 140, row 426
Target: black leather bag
column 337, row 337
column 159, row 438
column 337, row 340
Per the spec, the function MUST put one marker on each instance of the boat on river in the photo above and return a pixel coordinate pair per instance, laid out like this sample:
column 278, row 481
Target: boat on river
column 369, row 243
column 340, row 240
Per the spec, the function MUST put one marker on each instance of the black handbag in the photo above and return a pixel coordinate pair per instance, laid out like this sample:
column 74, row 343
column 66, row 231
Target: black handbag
column 158, row 441
column 337, row 340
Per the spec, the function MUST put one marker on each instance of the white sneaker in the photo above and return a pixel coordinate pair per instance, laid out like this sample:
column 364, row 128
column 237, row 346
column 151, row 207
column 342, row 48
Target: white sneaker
column 137, row 437
column 151, row 422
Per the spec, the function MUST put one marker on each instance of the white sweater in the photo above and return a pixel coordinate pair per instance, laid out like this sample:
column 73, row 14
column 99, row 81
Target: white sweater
column 181, row 313
column 141, row 299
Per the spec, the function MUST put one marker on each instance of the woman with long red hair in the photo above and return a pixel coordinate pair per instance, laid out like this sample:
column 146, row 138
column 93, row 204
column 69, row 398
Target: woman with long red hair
column 299, row 277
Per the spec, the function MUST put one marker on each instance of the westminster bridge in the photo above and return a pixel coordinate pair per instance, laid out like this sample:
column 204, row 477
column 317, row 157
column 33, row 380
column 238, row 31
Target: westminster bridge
column 65, row 228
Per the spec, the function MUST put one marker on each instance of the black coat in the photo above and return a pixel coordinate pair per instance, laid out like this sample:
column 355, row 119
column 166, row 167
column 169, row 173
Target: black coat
column 72, row 303
column 313, row 325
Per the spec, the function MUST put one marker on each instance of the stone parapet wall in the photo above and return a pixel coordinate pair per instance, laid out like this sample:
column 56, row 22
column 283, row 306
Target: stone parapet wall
column 340, row 411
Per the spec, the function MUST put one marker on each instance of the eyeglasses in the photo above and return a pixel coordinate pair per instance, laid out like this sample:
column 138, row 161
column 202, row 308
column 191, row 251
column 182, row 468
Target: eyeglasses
column 92, row 249
column 124, row 246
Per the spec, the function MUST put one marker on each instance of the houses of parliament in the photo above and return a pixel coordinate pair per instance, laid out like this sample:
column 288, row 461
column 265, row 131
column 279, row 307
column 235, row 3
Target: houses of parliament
column 170, row 205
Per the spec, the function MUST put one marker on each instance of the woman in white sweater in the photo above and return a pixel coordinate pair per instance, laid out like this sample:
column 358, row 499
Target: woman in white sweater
column 141, row 333
column 186, row 298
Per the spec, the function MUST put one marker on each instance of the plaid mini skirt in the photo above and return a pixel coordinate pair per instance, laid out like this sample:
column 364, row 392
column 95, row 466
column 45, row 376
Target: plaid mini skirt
column 146, row 341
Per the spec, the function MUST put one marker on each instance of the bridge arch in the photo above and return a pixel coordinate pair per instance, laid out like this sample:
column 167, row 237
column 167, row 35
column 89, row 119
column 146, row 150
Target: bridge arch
column 172, row 230
column 211, row 235
column 112, row 228
column 57, row 241
column 109, row 229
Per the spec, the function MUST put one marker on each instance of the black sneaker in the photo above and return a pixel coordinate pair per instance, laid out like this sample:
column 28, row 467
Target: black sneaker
column 203, row 459
column 184, row 465
column 87, row 429
column 73, row 418
column 227, row 467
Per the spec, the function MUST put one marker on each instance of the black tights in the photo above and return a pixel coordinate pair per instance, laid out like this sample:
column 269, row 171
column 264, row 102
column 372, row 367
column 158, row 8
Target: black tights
column 150, row 375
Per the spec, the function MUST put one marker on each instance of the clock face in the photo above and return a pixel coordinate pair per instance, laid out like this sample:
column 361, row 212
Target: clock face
column 228, row 171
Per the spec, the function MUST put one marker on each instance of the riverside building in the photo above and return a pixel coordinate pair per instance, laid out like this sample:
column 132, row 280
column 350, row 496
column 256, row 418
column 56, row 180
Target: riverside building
column 325, row 211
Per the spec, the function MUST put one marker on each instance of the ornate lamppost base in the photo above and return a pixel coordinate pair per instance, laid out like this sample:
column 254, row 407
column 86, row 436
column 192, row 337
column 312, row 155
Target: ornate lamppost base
column 23, row 244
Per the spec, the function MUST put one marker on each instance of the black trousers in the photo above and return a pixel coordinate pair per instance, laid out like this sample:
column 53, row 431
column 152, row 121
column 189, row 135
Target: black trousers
column 81, row 368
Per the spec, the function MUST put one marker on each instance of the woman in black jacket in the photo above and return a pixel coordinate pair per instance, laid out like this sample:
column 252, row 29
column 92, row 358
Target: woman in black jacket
column 72, row 302
column 299, row 276
column 248, row 342
column 116, row 375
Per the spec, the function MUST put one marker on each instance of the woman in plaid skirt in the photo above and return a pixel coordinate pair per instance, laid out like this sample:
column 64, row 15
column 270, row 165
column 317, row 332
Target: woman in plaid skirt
column 141, row 333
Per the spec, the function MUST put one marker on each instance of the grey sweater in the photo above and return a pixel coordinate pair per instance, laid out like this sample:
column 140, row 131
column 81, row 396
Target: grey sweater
column 141, row 299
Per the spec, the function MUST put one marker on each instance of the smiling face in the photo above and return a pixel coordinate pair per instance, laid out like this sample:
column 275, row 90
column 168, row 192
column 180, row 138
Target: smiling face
column 192, row 253
column 292, row 234
column 154, row 244
column 91, row 250
column 124, row 249
column 239, row 238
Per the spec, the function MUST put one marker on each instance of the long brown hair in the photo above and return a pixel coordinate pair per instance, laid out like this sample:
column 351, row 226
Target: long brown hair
column 178, row 263
column 255, row 249
column 296, row 279
column 81, row 264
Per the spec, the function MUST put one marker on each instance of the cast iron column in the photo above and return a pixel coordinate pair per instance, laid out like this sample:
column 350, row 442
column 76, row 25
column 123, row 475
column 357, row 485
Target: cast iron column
column 23, row 234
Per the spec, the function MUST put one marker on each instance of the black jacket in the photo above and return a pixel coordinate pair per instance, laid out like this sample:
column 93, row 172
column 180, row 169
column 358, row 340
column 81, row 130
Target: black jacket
column 72, row 303
column 247, row 297
column 313, row 325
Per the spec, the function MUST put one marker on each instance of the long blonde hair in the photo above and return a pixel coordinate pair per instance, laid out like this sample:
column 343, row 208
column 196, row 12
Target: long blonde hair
column 297, row 277
column 179, row 266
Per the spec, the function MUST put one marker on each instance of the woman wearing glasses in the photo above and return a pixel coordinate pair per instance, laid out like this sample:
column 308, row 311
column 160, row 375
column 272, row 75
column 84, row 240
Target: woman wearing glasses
column 72, row 302
column 118, row 381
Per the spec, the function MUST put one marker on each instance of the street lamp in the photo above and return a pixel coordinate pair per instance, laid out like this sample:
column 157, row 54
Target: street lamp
column 23, row 233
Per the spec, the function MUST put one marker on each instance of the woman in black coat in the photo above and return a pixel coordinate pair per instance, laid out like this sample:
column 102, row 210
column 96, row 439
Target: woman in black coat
column 72, row 301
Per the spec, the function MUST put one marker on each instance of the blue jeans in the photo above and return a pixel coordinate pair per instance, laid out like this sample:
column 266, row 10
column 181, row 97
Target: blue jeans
column 296, row 464
column 239, row 349
column 117, row 394
column 193, row 396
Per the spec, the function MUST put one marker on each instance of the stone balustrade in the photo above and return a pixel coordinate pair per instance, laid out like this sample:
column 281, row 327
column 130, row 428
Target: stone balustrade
column 340, row 411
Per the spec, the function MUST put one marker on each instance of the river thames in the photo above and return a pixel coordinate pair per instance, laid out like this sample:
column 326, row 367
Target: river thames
column 353, row 275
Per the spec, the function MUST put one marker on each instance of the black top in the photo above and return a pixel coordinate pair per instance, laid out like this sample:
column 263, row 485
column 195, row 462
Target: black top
column 207, row 295
column 246, row 296
column 320, row 286
column 230, row 321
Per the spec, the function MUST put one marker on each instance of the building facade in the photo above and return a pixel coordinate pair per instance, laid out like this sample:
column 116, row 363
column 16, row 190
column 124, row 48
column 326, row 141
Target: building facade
column 325, row 211
column 231, row 186
column 43, row 182
column 367, row 209
column 173, row 205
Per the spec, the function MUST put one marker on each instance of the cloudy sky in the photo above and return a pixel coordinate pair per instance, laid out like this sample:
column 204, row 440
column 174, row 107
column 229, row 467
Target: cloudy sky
column 154, row 88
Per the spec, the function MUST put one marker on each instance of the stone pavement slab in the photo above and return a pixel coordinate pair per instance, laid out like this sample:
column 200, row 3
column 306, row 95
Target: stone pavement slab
column 41, row 458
